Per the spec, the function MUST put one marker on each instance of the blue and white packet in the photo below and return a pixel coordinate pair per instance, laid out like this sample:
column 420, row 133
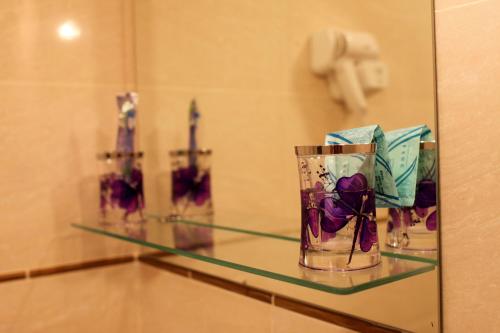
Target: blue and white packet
column 403, row 146
column 386, row 192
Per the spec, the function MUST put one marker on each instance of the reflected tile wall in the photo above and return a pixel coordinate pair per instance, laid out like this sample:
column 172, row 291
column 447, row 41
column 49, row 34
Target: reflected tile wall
column 57, row 112
column 247, row 62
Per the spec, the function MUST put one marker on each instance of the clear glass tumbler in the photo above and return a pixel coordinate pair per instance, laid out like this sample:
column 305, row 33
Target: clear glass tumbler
column 191, row 189
column 121, row 187
column 415, row 228
column 339, row 229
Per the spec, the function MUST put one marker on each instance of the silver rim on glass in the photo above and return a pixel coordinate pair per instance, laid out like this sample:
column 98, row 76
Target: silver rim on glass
column 362, row 148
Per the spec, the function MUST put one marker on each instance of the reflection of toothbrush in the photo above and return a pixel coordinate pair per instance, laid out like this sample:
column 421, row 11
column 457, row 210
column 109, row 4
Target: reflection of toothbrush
column 193, row 122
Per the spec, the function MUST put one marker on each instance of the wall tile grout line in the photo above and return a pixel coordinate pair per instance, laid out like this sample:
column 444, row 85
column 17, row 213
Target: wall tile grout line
column 152, row 261
column 72, row 267
column 34, row 273
column 235, row 287
column 6, row 277
column 337, row 318
column 65, row 268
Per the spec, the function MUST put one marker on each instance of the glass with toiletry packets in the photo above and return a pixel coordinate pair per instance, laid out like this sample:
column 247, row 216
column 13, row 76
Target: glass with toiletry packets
column 338, row 229
column 415, row 227
column 191, row 190
column 121, row 187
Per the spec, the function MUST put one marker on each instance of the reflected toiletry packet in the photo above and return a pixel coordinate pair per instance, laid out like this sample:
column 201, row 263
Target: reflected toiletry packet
column 127, row 112
column 127, row 105
column 386, row 192
column 403, row 146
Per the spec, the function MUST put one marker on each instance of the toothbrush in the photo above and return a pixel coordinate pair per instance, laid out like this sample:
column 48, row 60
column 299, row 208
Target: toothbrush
column 193, row 123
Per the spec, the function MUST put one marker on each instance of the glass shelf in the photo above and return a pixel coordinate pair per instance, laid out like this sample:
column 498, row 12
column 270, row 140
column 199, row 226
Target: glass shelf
column 268, row 254
column 254, row 225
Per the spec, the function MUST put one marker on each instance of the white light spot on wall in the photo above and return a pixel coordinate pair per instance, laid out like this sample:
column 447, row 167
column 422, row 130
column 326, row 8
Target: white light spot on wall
column 68, row 31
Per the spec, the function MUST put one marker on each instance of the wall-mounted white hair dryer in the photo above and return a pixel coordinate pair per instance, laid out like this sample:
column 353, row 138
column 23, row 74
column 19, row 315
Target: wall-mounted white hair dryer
column 349, row 61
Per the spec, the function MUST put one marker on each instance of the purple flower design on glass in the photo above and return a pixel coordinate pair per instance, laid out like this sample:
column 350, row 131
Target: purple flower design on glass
column 394, row 221
column 187, row 182
column 425, row 197
column 326, row 236
column 126, row 193
column 426, row 194
column 350, row 198
column 406, row 215
column 355, row 199
column 431, row 222
column 310, row 215
column 103, row 193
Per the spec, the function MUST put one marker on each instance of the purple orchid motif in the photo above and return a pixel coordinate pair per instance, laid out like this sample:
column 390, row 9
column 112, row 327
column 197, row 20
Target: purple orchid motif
column 326, row 236
column 368, row 235
column 431, row 222
column 187, row 182
column 355, row 199
column 350, row 198
column 103, row 193
column 126, row 193
column 182, row 182
column 426, row 194
column 310, row 215
column 406, row 215
column 423, row 209
column 425, row 198
column 394, row 221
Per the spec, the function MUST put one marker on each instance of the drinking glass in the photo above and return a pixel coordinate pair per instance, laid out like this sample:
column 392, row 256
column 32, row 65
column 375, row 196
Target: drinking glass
column 415, row 227
column 338, row 230
column 191, row 189
column 121, row 187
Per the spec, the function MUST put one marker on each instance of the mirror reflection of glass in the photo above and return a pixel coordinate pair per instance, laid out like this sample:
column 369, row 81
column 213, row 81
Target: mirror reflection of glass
column 260, row 93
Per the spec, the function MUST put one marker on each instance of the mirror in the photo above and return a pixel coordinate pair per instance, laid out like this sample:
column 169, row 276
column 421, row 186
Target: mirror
column 248, row 64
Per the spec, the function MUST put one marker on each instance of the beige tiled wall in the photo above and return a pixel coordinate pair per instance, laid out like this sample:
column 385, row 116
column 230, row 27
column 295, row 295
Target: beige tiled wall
column 247, row 63
column 135, row 298
column 57, row 111
column 468, row 71
column 195, row 307
column 99, row 300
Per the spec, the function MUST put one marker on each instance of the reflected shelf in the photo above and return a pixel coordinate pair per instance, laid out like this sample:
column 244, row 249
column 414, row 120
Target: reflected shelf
column 268, row 254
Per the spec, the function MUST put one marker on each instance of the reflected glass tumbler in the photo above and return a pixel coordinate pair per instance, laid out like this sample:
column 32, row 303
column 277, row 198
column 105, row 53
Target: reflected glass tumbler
column 121, row 187
column 415, row 228
column 191, row 189
column 197, row 236
column 339, row 229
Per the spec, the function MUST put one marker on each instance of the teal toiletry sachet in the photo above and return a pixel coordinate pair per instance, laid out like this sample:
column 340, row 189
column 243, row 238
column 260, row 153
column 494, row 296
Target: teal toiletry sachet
column 386, row 193
column 403, row 146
